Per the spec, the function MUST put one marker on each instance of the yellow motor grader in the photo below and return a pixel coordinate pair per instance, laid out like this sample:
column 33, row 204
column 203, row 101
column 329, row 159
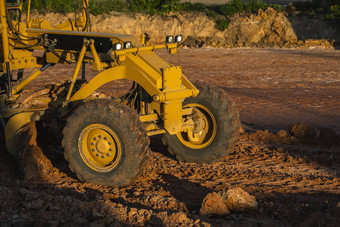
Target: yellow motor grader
column 105, row 140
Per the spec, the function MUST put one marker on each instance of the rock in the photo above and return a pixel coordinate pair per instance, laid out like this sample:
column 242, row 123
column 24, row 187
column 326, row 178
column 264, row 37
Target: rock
column 238, row 200
column 213, row 205
column 178, row 219
column 282, row 134
column 328, row 137
column 304, row 132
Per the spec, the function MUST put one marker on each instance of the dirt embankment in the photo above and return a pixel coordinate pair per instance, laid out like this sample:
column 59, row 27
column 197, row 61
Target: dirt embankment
column 268, row 28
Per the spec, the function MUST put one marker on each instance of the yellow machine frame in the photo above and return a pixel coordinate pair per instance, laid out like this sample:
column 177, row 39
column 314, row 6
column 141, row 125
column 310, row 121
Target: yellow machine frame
column 165, row 84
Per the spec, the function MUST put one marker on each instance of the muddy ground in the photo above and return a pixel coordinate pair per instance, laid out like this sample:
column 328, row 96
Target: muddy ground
column 294, row 179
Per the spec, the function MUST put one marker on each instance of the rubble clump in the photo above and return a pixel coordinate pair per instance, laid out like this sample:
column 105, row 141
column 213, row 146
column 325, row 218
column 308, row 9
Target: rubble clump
column 233, row 200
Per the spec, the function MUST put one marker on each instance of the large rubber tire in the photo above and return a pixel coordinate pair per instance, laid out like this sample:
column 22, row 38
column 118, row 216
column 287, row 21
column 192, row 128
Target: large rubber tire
column 222, row 114
column 105, row 143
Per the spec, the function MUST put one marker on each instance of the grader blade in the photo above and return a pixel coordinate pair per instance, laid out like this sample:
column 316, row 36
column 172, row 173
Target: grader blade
column 34, row 165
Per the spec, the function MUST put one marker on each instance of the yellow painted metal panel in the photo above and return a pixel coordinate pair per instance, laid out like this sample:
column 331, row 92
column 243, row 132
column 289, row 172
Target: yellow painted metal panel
column 154, row 60
column 136, row 62
column 116, row 73
column 13, row 127
column 172, row 115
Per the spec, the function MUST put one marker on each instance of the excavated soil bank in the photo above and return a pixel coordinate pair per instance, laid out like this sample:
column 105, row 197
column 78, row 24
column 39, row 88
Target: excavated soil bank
column 264, row 29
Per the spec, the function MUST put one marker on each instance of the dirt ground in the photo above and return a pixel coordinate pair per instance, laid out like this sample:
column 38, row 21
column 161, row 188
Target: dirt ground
column 295, row 180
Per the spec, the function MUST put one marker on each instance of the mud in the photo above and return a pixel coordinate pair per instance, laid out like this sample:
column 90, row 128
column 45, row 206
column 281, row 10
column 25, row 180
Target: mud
column 293, row 181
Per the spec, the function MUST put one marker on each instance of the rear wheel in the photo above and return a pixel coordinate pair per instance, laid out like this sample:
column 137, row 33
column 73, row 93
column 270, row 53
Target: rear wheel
column 105, row 143
column 216, row 128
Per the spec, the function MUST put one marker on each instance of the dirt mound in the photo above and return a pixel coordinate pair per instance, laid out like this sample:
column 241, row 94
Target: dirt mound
column 238, row 200
column 282, row 137
column 298, row 133
column 304, row 132
column 266, row 28
column 328, row 137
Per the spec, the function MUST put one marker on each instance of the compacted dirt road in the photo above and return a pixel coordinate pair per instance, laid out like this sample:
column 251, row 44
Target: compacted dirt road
column 295, row 179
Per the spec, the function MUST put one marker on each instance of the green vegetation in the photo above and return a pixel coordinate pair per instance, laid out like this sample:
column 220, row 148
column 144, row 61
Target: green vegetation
column 148, row 6
column 329, row 8
column 222, row 24
column 220, row 13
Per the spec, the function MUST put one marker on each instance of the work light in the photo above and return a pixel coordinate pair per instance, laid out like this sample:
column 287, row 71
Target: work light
column 127, row 45
column 169, row 39
column 117, row 46
column 178, row 38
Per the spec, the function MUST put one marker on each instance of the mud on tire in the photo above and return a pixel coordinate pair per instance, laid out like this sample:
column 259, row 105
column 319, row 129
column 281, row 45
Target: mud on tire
column 222, row 114
column 105, row 143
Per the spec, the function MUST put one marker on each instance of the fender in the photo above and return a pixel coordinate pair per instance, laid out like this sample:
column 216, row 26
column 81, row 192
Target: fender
column 116, row 73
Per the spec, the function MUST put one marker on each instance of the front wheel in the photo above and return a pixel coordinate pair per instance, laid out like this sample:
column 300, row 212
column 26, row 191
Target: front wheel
column 216, row 128
column 105, row 143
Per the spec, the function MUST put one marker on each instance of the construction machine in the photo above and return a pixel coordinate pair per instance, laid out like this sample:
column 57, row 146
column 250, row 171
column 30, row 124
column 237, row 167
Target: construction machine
column 105, row 140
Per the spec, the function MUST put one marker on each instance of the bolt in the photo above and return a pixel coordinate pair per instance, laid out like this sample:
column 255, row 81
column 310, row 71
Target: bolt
column 108, row 154
column 103, row 156
column 93, row 150
column 156, row 98
column 100, row 136
column 95, row 138
column 105, row 138
column 97, row 155
column 110, row 149
column 110, row 143
column 92, row 144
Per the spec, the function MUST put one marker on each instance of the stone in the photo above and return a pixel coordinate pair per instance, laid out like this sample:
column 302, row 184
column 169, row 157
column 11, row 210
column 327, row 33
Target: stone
column 213, row 205
column 328, row 137
column 282, row 134
column 304, row 132
column 238, row 200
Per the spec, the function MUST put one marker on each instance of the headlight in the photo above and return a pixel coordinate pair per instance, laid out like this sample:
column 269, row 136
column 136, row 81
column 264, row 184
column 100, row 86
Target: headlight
column 178, row 38
column 117, row 46
column 127, row 45
column 169, row 39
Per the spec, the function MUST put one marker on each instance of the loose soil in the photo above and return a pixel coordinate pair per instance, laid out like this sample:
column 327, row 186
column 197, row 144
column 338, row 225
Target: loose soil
column 295, row 179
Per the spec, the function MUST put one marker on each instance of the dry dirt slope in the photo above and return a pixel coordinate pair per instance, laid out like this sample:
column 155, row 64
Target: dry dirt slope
column 263, row 29
column 295, row 182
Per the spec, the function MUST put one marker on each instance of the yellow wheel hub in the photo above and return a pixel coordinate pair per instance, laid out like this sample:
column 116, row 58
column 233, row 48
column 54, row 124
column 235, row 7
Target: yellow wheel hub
column 100, row 147
column 204, row 130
